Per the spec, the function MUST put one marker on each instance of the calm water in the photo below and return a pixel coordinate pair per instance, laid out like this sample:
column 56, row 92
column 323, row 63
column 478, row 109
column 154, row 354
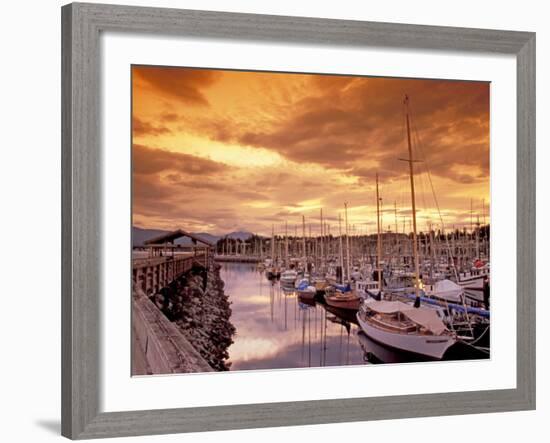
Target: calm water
column 276, row 330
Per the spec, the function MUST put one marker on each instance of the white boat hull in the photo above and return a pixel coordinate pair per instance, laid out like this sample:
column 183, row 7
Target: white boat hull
column 433, row 346
column 472, row 281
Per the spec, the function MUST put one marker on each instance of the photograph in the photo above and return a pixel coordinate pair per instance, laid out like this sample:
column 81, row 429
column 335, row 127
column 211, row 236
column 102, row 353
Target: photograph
column 285, row 220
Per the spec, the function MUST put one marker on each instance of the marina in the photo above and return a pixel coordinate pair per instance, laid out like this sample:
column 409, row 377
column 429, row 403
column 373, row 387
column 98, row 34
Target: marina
column 277, row 328
column 276, row 252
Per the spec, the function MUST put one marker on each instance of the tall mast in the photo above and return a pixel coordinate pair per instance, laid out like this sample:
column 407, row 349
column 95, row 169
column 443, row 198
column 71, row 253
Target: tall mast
column 295, row 241
column 378, row 238
column 321, row 241
column 286, row 244
column 304, row 238
column 395, row 215
column 347, row 241
column 395, row 234
column 415, row 244
column 272, row 244
column 341, row 248
column 312, row 252
column 477, row 237
column 471, row 217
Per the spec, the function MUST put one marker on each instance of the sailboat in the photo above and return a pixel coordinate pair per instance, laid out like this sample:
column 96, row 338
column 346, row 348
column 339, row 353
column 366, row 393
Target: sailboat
column 402, row 326
column 445, row 289
column 272, row 271
column 305, row 290
column 410, row 328
column 372, row 287
column 342, row 296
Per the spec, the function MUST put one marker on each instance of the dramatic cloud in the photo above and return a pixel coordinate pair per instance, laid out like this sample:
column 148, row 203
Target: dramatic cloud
column 184, row 85
column 221, row 150
column 149, row 161
column 142, row 128
column 365, row 119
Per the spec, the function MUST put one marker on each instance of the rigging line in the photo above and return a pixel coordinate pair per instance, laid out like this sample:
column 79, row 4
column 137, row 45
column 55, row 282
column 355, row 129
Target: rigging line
column 419, row 144
column 429, row 174
column 443, row 230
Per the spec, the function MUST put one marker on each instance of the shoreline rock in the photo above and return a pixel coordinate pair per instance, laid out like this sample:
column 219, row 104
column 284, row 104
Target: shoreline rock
column 197, row 304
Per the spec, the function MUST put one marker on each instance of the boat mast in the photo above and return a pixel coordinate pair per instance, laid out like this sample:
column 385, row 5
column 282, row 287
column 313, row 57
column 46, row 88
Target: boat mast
column 415, row 244
column 341, row 252
column 304, row 238
column 477, row 237
column 321, row 260
column 396, row 233
column 286, row 244
column 347, row 241
column 378, row 238
column 272, row 244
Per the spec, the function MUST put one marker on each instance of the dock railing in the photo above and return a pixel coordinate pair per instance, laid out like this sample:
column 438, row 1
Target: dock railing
column 153, row 274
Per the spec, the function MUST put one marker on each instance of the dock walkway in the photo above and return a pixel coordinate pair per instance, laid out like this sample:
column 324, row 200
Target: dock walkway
column 153, row 274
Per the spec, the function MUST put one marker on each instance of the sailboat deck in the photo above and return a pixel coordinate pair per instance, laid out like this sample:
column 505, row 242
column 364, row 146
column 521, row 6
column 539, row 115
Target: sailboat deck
column 385, row 322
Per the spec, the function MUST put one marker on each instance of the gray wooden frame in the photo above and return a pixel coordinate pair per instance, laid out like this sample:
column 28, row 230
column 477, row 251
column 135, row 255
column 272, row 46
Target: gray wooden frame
column 81, row 165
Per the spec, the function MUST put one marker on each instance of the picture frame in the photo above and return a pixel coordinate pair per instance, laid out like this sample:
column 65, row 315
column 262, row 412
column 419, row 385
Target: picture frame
column 81, row 226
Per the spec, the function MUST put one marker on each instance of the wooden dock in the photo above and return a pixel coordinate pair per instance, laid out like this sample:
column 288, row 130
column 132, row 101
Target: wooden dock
column 152, row 274
column 237, row 258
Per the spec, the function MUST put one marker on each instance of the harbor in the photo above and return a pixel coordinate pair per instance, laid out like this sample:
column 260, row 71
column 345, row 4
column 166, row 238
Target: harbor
column 345, row 235
column 278, row 326
column 294, row 301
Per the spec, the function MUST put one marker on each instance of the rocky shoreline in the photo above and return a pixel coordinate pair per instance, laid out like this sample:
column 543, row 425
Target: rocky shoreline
column 197, row 304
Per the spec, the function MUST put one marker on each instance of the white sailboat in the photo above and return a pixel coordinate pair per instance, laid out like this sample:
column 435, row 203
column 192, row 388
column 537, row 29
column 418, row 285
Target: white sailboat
column 414, row 329
column 446, row 290
column 404, row 327
column 474, row 278
column 288, row 277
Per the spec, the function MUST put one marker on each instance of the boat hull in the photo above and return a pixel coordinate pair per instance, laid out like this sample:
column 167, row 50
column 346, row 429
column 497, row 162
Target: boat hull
column 287, row 283
column 273, row 275
column 472, row 282
column 306, row 295
column 432, row 346
column 339, row 302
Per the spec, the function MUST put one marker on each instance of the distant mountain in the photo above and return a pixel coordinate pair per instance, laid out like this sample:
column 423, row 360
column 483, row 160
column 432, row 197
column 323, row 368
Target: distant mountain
column 140, row 235
column 239, row 235
column 206, row 236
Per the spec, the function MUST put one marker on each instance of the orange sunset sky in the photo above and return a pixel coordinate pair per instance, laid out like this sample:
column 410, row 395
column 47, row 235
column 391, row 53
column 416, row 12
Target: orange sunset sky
column 219, row 151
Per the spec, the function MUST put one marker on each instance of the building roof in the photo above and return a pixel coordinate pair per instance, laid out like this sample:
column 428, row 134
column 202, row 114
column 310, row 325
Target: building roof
column 169, row 237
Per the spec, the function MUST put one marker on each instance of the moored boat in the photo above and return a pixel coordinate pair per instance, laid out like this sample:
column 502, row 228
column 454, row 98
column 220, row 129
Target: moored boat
column 288, row 277
column 446, row 290
column 342, row 298
column 474, row 279
column 406, row 328
column 367, row 288
column 411, row 328
column 273, row 273
column 305, row 290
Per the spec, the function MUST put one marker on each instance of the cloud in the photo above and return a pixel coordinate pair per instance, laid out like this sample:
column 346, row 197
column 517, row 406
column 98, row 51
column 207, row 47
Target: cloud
column 184, row 85
column 142, row 128
column 148, row 160
column 296, row 143
column 351, row 119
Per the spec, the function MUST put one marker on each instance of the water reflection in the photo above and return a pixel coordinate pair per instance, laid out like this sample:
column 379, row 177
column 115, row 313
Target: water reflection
column 275, row 329
column 375, row 353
